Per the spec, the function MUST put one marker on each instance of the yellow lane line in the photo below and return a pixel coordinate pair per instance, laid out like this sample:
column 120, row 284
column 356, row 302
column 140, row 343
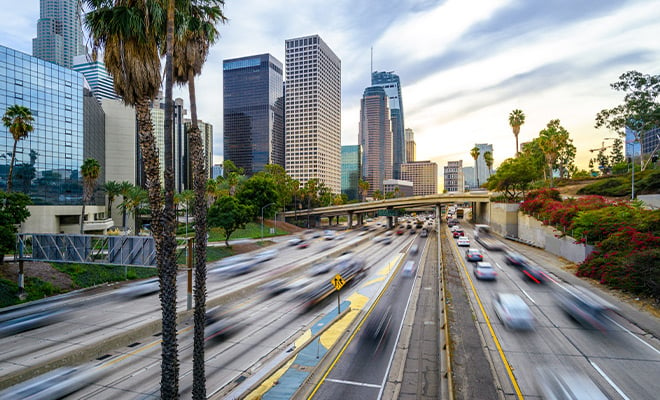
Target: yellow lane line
column 490, row 328
column 395, row 261
column 141, row 349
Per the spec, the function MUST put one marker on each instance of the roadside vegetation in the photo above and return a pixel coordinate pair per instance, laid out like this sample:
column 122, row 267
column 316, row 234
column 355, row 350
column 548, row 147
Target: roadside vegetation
column 626, row 237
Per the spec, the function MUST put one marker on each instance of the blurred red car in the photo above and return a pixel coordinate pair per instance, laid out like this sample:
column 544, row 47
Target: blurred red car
column 458, row 233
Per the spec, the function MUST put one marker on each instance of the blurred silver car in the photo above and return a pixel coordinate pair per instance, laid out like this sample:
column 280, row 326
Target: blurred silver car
column 513, row 311
column 55, row 384
column 560, row 383
column 586, row 308
column 483, row 270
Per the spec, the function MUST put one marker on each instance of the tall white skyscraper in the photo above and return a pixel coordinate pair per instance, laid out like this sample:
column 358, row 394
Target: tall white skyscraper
column 100, row 81
column 481, row 169
column 313, row 112
column 59, row 32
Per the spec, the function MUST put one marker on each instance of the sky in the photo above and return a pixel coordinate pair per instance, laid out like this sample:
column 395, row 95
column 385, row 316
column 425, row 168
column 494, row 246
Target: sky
column 464, row 65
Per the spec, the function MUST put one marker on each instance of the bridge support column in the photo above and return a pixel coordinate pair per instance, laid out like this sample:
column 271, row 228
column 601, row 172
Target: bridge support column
column 350, row 219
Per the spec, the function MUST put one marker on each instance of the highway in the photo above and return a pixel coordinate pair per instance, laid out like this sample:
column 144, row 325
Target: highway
column 116, row 332
column 622, row 361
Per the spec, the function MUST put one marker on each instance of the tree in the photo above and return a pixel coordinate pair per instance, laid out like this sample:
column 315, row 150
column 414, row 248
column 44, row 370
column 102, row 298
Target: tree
column 229, row 214
column 640, row 111
column 516, row 119
column 112, row 189
column 90, row 171
column 186, row 197
column 616, row 156
column 13, row 211
column 257, row 191
column 513, row 177
column 363, row 187
column 475, row 154
column 488, row 158
column 130, row 32
column 124, row 188
column 135, row 203
column 555, row 143
column 18, row 120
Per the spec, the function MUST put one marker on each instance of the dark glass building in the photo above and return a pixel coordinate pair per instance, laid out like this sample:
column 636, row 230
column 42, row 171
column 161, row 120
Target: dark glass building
column 392, row 85
column 253, row 112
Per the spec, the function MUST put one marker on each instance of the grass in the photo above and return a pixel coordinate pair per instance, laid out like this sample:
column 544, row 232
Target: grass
column 86, row 275
column 35, row 289
column 251, row 231
column 646, row 182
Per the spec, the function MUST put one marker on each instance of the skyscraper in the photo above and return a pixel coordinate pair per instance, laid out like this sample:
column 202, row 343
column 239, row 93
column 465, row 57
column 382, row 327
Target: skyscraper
column 424, row 176
column 454, row 179
column 351, row 170
column 375, row 137
column 411, row 146
column 253, row 112
column 59, row 32
column 313, row 112
column 481, row 169
column 392, row 85
column 100, row 81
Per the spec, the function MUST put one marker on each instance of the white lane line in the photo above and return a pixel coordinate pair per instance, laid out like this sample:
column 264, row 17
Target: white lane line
column 354, row 383
column 498, row 266
column 528, row 296
column 633, row 335
column 607, row 378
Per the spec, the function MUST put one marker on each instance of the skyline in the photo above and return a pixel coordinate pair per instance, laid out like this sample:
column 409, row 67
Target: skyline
column 463, row 68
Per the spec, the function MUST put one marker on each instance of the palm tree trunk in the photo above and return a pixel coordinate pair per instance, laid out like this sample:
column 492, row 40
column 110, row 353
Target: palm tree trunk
column 11, row 167
column 82, row 218
column 199, row 185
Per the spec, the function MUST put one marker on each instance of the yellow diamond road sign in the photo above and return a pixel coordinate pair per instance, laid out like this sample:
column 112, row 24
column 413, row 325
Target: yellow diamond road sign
column 337, row 281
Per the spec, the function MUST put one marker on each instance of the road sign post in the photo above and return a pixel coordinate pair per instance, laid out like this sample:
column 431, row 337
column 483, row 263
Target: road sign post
column 338, row 282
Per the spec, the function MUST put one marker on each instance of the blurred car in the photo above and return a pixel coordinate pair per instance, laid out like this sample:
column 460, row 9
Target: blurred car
column 328, row 234
column 26, row 322
column 321, row 268
column 513, row 311
column 533, row 273
column 227, row 261
column 474, row 255
column 377, row 327
column 413, row 231
column 560, row 383
column 414, row 249
column 221, row 323
column 140, row 288
column 399, row 232
column 515, row 259
column 303, row 244
column 295, row 241
column 409, row 269
column 386, row 240
column 55, row 384
column 266, row 255
column 454, row 228
column 458, row 233
column 485, row 271
column 586, row 308
column 463, row 241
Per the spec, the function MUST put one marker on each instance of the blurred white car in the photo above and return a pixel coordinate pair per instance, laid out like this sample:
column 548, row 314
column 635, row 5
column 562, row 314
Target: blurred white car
column 513, row 311
column 463, row 241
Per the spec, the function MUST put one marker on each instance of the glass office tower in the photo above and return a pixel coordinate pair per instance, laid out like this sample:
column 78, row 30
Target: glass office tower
column 253, row 112
column 351, row 171
column 375, row 137
column 392, row 85
column 48, row 161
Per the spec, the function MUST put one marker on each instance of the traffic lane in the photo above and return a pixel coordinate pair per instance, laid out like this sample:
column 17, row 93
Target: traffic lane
column 361, row 370
column 225, row 358
column 589, row 348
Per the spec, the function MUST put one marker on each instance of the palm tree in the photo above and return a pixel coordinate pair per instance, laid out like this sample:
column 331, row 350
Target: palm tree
column 18, row 119
column 488, row 158
column 190, row 50
column 130, row 33
column 112, row 189
column 516, row 119
column 124, row 188
column 90, row 171
column 135, row 202
column 475, row 154
column 363, row 187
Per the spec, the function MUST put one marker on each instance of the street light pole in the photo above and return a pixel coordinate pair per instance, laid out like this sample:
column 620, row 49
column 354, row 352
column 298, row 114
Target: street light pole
column 262, row 219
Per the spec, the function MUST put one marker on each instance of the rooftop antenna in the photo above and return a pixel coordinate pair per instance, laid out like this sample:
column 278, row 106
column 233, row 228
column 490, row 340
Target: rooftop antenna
column 372, row 62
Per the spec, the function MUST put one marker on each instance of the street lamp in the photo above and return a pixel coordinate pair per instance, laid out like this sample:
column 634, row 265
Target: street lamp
column 262, row 219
